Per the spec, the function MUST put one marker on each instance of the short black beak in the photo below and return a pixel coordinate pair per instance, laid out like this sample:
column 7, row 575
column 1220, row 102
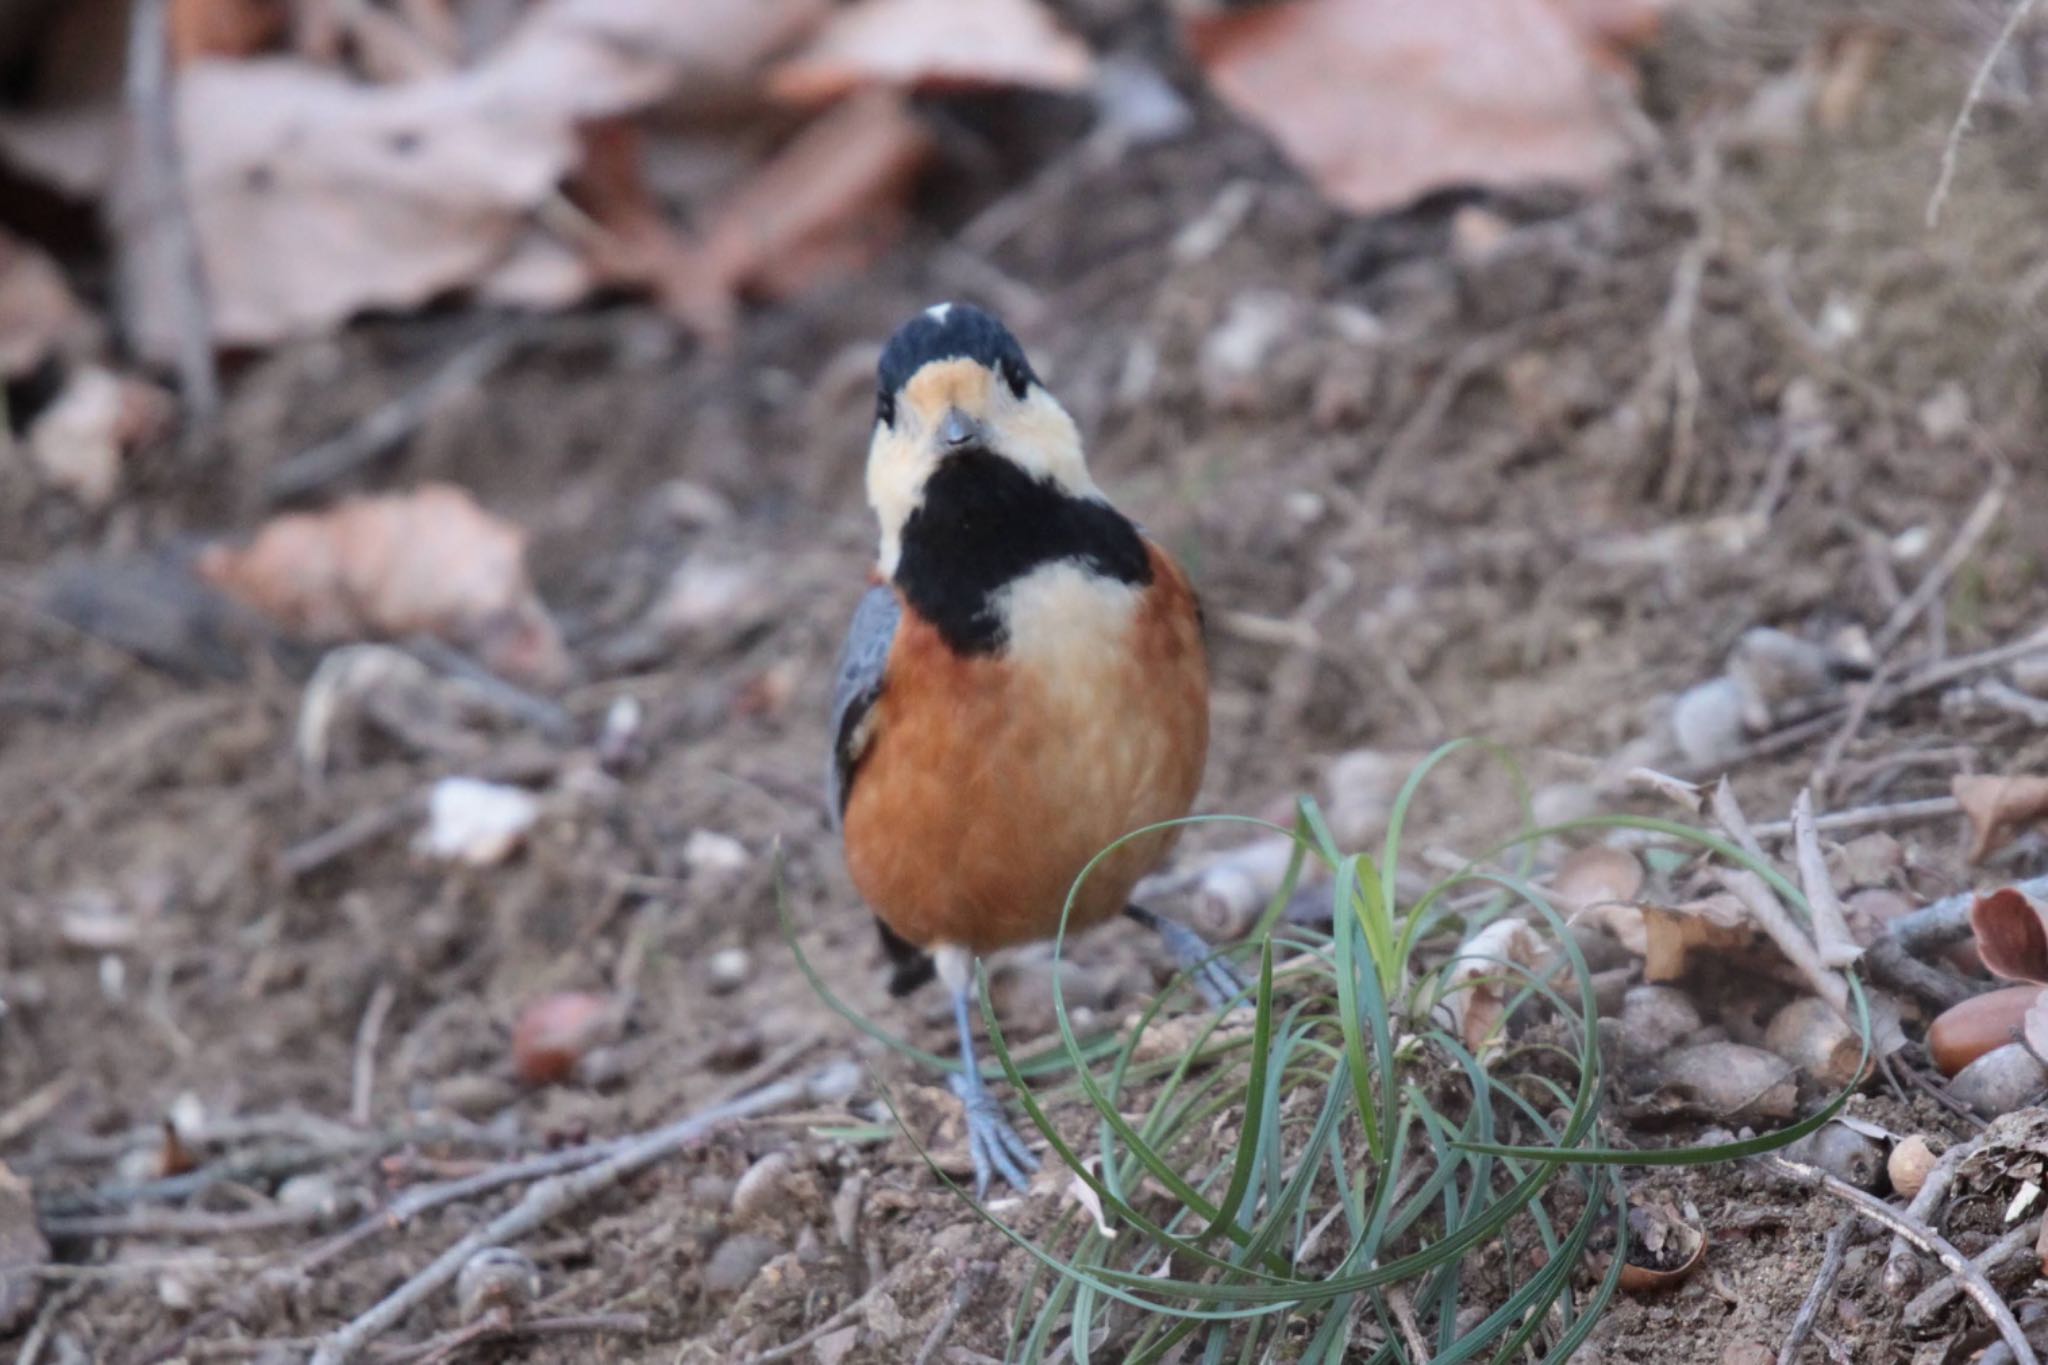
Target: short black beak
column 957, row 430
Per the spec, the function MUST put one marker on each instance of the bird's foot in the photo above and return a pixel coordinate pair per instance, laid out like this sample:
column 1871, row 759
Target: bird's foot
column 993, row 1145
column 1220, row 983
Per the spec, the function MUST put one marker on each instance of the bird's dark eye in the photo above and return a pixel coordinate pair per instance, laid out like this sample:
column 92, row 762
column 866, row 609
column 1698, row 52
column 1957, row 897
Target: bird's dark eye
column 885, row 409
column 1013, row 374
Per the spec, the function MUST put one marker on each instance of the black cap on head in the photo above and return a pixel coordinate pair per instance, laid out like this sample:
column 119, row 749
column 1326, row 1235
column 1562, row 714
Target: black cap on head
column 949, row 331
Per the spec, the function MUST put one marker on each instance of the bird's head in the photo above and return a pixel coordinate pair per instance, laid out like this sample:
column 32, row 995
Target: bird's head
column 954, row 385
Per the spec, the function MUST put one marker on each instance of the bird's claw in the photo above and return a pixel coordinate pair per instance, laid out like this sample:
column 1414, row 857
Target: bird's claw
column 992, row 1144
column 1214, row 976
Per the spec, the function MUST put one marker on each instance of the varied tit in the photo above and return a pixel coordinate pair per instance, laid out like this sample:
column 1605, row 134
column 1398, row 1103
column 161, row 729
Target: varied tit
column 1023, row 685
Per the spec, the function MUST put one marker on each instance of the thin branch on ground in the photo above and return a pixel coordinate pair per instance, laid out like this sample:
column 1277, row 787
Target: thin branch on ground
column 1899, row 1266
column 496, row 1328
column 387, row 427
column 1831, row 937
column 1823, row 1286
column 363, row 1080
column 1973, row 530
column 160, row 211
column 1869, row 817
column 796, row 1346
column 1951, row 150
column 963, row 1292
column 2014, row 1249
column 545, row 1201
column 1919, row 1234
column 186, row 1223
column 1947, row 921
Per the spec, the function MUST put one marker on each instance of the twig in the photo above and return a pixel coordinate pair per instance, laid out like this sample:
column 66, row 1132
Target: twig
column 1899, row 1265
column 1830, row 927
column 963, row 1292
column 1839, row 742
column 364, row 1080
column 488, row 1329
column 1947, row 920
column 1823, row 1285
column 185, row 1223
column 2015, row 1248
column 1404, row 1316
column 830, row 1325
column 385, row 428
column 161, row 207
column 547, row 716
column 547, row 1200
column 1890, row 965
column 32, row 1108
column 365, row 827
column 1869, row 817
column 1927, row 1239
column 1952, row 149
column 1973, row 530
column 46, row 1321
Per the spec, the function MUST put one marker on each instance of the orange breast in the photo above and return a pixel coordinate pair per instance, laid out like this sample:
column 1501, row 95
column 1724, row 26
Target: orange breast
column 992, row 781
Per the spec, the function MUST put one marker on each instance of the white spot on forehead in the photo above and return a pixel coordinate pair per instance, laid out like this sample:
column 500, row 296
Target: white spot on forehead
column 937, row 312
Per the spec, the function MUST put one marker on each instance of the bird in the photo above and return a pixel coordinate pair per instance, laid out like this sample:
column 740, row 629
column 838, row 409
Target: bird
column 1024, row 682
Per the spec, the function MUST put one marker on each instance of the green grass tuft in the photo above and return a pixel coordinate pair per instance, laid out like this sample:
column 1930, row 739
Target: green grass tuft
column 1330, row 1174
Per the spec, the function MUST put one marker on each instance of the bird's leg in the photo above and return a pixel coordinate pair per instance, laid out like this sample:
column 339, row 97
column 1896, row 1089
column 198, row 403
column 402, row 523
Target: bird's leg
column 992, row 1143
column 1214, row 976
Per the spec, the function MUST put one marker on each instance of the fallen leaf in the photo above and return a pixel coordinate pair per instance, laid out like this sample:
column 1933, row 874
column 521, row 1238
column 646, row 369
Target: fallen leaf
column 2011, row 937
column 1382, row 101
column 1998, row 808
column 430, row 561
column 1599, row 885
column 1663, row 1248
column 315, row 197
column 1727, row 1082
column 933, row 44
column 1480, row 977
column 638, row 245
column 824, row 207
column 224, row 28
column 476, row 822
column 1673, row 932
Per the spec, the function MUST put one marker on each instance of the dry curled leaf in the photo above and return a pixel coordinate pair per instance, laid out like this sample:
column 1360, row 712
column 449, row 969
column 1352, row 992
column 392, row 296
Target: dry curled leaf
column 315, row 196
column 1672, row 932
column 1599, row 885
column 927, row 44
column 1478, row 980
column 426, row 562
column 2011, row 937
column 1998, row 808
column 1663, row 1248
column 1381, row 101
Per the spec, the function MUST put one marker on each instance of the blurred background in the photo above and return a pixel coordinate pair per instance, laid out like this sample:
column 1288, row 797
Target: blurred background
column 430, row 500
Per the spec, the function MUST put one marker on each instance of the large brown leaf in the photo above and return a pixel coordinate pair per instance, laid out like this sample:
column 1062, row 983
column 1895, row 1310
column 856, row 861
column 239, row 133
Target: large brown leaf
column 426, row 562
column 1999, row 808
column 2011, row 938
column 925, row 44
column 1381, row 101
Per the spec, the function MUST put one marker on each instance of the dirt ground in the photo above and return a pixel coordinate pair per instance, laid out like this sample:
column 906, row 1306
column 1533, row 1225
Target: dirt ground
column 1520, row 467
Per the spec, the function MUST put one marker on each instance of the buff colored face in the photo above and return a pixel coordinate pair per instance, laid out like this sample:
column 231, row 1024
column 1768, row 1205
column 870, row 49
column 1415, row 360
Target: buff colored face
column 954, row 405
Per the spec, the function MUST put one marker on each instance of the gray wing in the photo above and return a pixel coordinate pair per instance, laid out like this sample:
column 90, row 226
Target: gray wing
column 861, row 665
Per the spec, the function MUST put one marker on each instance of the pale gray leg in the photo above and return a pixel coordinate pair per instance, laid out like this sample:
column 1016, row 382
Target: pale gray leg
column 1214, row 976
column 993, row 1145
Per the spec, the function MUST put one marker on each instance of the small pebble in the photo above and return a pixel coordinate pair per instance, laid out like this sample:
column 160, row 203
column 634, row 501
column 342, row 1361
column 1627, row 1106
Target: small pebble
column 496, row 1278
column 2000, row 1081
column 1910, row 1162
column 738, row 1259
column 764, row 1185
column 729, row 969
